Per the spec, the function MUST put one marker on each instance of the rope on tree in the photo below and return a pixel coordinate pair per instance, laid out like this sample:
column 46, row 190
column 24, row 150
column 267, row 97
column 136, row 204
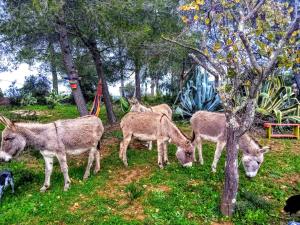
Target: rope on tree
column 97, row 100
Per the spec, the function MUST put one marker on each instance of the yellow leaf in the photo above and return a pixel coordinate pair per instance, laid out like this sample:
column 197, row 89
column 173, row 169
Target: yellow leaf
column 229, row 42
column 294, row 34
column 237, row 1
column 205, row 52
column 297, row 60
column 217, row 46
column 200, row 2
column 207, row 21
column 196, row 17
column 184, row 19
column 235, row 48
column 290, row 9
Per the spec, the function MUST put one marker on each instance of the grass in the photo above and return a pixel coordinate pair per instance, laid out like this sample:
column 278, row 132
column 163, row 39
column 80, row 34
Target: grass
column 142, row 193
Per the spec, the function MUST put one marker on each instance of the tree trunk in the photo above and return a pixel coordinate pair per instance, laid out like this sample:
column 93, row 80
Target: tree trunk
column 157, row 86
column 53, row 68
column 137, row 82
column 231, row 174
column 69, row 64
column 122, row 84
column 92, row 46
column 152, row 86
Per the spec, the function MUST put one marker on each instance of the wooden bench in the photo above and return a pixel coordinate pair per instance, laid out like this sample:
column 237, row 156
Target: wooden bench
column 296, row 130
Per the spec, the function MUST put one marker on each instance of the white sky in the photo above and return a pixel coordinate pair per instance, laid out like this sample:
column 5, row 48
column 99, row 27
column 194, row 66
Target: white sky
column 6, row 78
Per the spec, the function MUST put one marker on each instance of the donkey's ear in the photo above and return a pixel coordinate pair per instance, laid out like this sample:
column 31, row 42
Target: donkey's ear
column 264, row 149
column 133, row 100
column 6, row 122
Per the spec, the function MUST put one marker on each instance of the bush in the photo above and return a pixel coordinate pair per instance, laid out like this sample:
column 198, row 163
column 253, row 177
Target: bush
column 133, row 191
column 38, row 86
column 28, row 99
column 55, row 99
column 14, row 94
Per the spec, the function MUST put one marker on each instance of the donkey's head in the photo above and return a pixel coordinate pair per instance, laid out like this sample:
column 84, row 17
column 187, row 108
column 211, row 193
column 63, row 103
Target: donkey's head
column 12, row 142
column 185, row 154
column 253, row 157
column 135, row 104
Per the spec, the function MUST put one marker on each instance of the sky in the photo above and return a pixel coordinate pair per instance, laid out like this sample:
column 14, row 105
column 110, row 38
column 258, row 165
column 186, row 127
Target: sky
column 19, row 74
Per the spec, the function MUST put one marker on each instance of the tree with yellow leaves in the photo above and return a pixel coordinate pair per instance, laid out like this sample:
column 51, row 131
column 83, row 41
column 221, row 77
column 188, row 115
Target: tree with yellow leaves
column 240, row 42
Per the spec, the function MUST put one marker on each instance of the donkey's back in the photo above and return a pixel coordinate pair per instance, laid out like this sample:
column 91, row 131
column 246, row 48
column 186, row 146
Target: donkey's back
column 82, row 132
column 164, row 109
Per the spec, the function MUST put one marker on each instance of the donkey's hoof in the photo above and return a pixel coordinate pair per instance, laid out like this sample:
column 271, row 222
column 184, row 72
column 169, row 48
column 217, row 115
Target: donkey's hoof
column 44, row 188
column 125, row 163
column 96, row 170
column 166, row 162
column 160, row 165
column 66, row 187
column 86, row 176
column 213, row 170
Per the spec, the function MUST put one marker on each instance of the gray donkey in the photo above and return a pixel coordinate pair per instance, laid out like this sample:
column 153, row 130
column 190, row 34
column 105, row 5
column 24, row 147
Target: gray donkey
column 212, row 127
column 136, row 106
column 56, row 139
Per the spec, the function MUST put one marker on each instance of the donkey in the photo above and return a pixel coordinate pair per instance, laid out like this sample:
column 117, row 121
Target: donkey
column 59, row 138
column 212, row 127
column 150, row 126
column 136, row 106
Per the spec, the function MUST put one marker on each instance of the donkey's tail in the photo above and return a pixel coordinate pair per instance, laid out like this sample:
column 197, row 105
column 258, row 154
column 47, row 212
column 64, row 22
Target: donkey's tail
column 193, row 137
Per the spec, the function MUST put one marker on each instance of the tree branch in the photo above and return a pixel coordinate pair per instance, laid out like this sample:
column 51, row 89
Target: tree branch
column 215, row 74
column 293, row 27
column 217, row 67
column 254, row 10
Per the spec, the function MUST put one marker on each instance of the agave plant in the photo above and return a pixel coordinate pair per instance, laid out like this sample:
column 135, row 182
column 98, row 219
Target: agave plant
column 198, row 95
column 125, row 106
column 278, row 101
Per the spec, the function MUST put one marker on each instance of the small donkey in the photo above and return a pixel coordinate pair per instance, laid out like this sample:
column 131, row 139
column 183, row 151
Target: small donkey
column 212, row 127
column 150, row 126
column 136, row 106
column 57, row 139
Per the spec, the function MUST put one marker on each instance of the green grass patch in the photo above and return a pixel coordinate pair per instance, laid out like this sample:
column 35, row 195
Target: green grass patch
column 174, row 195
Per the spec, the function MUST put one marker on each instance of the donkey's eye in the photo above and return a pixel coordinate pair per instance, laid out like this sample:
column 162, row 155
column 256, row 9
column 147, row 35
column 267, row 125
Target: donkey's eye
column 8, row 138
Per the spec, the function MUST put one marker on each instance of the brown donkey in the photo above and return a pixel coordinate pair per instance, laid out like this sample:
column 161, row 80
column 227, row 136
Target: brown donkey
column 136, row 106
column 150, row 126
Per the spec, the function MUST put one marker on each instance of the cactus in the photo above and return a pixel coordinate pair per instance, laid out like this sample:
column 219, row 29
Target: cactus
column 199, row 96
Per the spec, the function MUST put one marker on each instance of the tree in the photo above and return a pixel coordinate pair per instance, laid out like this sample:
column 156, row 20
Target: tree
column 240, row 43
column 69, row 64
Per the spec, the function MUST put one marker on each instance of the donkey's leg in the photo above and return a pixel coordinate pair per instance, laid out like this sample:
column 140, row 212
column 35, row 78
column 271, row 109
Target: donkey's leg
column 48, row 172
column 123, row 149
column 218, row 152
column 165, row 148
column 90, row 163
column 160, row 152
column 150, row 145
column 97, row 159
column 12, row 185
column 199, row 146
column 62, row 159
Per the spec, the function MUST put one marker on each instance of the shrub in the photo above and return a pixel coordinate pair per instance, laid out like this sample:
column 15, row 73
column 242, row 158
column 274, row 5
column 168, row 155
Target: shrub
column 28, row 99
column 38, row 86
column 134, row 191
column 14, row 94
column 55, row 99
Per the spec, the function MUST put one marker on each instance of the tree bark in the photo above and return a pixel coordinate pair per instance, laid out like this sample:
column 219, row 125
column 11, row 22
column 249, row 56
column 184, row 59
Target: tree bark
column 69, row 64
column 228, row 201
column 92, row 46
column 53, row 68
column 137, row 82
column 122, row 84
column 152, row 86
column 157, row 86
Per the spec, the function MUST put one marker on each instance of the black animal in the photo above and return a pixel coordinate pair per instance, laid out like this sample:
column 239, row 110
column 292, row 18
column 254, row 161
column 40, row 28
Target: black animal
column 6, row 178
column 292, row 204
